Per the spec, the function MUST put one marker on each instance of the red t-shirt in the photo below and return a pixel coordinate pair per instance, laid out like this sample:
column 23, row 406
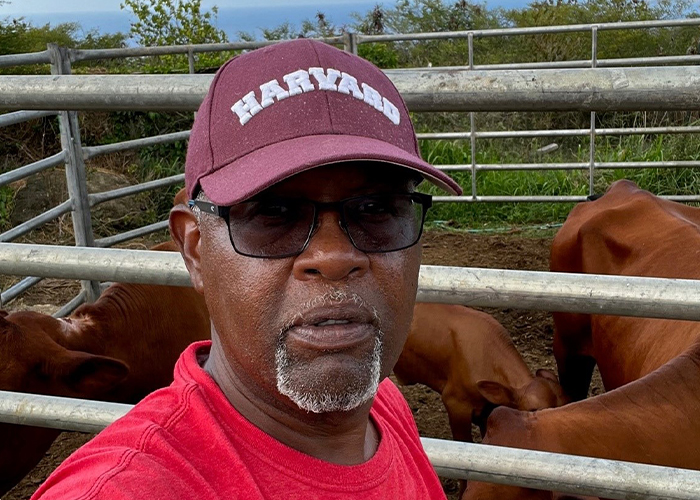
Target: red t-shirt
column 187, row 442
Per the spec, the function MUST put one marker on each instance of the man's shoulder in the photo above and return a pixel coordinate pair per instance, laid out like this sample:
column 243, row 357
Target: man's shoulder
column 139, row 445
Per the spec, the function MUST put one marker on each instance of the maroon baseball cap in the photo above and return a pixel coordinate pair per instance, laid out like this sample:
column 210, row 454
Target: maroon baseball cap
column 289, row 107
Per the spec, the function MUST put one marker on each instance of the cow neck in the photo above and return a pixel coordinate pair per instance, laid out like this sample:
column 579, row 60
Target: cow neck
column 97, row 326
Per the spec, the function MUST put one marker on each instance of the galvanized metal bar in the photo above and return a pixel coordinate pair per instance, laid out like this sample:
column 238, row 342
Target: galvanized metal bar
column 18, row 289
column 97, row 198
column 100, row 264
column 512, row 167
column 563, row 473
column 32, row 168
column 76, row 175
column 599, row 89
column 24, row 59
column 67, row 414
column 39, row 220
column 472, row 151
column 530, row 30
column 601, row 63
column 71, row 305
column 92, row 54
column 591, row 147
column 350, row 42
column 510, row 199
column 517, row 467
column 595, row 294
column 130, row 235
column 93, row 151
column 570, row 166
column 472, row 120
column 513, row 134
column 190, row 60
column 540, row 199
column 23, row 116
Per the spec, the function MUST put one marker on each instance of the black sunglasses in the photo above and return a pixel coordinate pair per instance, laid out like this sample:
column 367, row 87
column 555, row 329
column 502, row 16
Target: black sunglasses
column 282, row 227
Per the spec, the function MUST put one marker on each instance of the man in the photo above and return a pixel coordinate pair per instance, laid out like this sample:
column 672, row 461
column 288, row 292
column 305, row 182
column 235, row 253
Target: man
column 302, row 236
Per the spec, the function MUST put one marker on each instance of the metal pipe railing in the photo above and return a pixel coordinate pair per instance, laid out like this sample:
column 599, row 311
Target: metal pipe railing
column 583, row 293
column 32, row 168
column 92, row 54
column 530, row 30
column 18, row 289
column 71, row 305
column 542, row 199
column 22, row 116
column 608, row 165
column 479, row 462
column 581, row 132
column 130, row 235
column 37, row 221
column 22, row 59
column 558, row 472
column 97, row 198
column 93, row 151
column 591, row 89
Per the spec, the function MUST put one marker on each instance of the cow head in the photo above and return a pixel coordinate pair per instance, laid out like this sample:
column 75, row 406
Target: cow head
column 543, row 391
column 33, row 359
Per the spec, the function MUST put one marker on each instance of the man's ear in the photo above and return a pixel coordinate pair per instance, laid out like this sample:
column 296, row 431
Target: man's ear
column 184, row 231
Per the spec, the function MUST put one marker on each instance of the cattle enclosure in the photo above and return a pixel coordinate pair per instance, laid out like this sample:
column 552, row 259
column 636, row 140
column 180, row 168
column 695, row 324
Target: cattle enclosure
column 530, row 330
column 589, row 90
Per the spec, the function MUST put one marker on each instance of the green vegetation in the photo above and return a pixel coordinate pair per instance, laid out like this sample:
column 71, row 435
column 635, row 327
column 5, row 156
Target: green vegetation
column 169, row 22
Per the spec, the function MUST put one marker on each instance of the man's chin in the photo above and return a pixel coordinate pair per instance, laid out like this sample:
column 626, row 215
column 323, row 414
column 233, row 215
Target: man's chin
column 325, row 386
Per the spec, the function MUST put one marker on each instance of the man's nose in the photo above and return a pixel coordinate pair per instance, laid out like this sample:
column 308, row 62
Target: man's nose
column 330, row 253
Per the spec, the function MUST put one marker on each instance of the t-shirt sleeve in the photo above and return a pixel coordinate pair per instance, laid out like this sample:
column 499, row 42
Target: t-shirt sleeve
column 93, row 478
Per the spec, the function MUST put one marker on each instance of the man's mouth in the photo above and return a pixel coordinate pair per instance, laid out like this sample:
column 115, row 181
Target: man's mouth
column 332, row 322
column 337, row 327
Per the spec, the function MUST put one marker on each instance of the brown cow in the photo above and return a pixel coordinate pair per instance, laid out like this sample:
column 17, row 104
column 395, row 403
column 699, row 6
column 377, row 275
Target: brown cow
column 629, row 232
column 651, row 366
column 468, row 357
column 631, row 423
column 118, row 349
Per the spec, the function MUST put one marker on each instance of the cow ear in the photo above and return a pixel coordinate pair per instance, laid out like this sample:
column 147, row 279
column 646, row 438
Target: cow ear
column 87, row 375
column 543, row 373
column 496, row 393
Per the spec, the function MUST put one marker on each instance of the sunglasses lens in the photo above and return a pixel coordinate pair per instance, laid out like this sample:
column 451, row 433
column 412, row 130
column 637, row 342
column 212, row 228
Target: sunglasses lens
column 271, row 228
column 384, row 223
column 282, row 227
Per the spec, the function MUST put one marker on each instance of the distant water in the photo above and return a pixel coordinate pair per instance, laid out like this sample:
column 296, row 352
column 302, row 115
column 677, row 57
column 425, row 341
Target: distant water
column 230, row 20
column 237, row 19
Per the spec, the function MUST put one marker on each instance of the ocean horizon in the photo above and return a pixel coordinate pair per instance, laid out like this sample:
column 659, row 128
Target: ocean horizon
column 232, row 20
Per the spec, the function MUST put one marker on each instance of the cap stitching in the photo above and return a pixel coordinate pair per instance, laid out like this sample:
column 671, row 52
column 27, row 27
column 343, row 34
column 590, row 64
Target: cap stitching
column 325, row 93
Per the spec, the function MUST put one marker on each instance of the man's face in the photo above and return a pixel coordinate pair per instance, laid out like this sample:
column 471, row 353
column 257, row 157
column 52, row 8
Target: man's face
column 317, row 331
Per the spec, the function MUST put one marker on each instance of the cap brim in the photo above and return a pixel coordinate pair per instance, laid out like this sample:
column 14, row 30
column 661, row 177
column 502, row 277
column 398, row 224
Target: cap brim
column 256, row 171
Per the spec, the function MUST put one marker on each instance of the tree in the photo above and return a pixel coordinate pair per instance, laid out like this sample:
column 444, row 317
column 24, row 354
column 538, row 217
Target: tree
column 173, row 22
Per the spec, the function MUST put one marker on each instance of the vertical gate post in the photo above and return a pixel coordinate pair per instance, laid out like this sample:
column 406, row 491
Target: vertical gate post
column 591, row 151
column 76, row 176
column 350, row 42
column 472, row 120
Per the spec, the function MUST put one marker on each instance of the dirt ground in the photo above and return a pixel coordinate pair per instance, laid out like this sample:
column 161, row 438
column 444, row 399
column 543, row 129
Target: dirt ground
column 531, row 331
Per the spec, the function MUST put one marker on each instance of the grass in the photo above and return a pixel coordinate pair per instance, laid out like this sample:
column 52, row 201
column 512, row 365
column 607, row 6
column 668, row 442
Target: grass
column 661, row 181
column 166, row 160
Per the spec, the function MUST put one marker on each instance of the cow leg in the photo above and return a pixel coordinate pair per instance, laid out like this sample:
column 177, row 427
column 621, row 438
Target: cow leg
column 572, row 351
column 460, row 419
column 575, row 374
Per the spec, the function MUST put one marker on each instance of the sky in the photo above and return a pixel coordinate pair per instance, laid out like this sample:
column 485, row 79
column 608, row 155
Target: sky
column 24, row 7
column 235, row 16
